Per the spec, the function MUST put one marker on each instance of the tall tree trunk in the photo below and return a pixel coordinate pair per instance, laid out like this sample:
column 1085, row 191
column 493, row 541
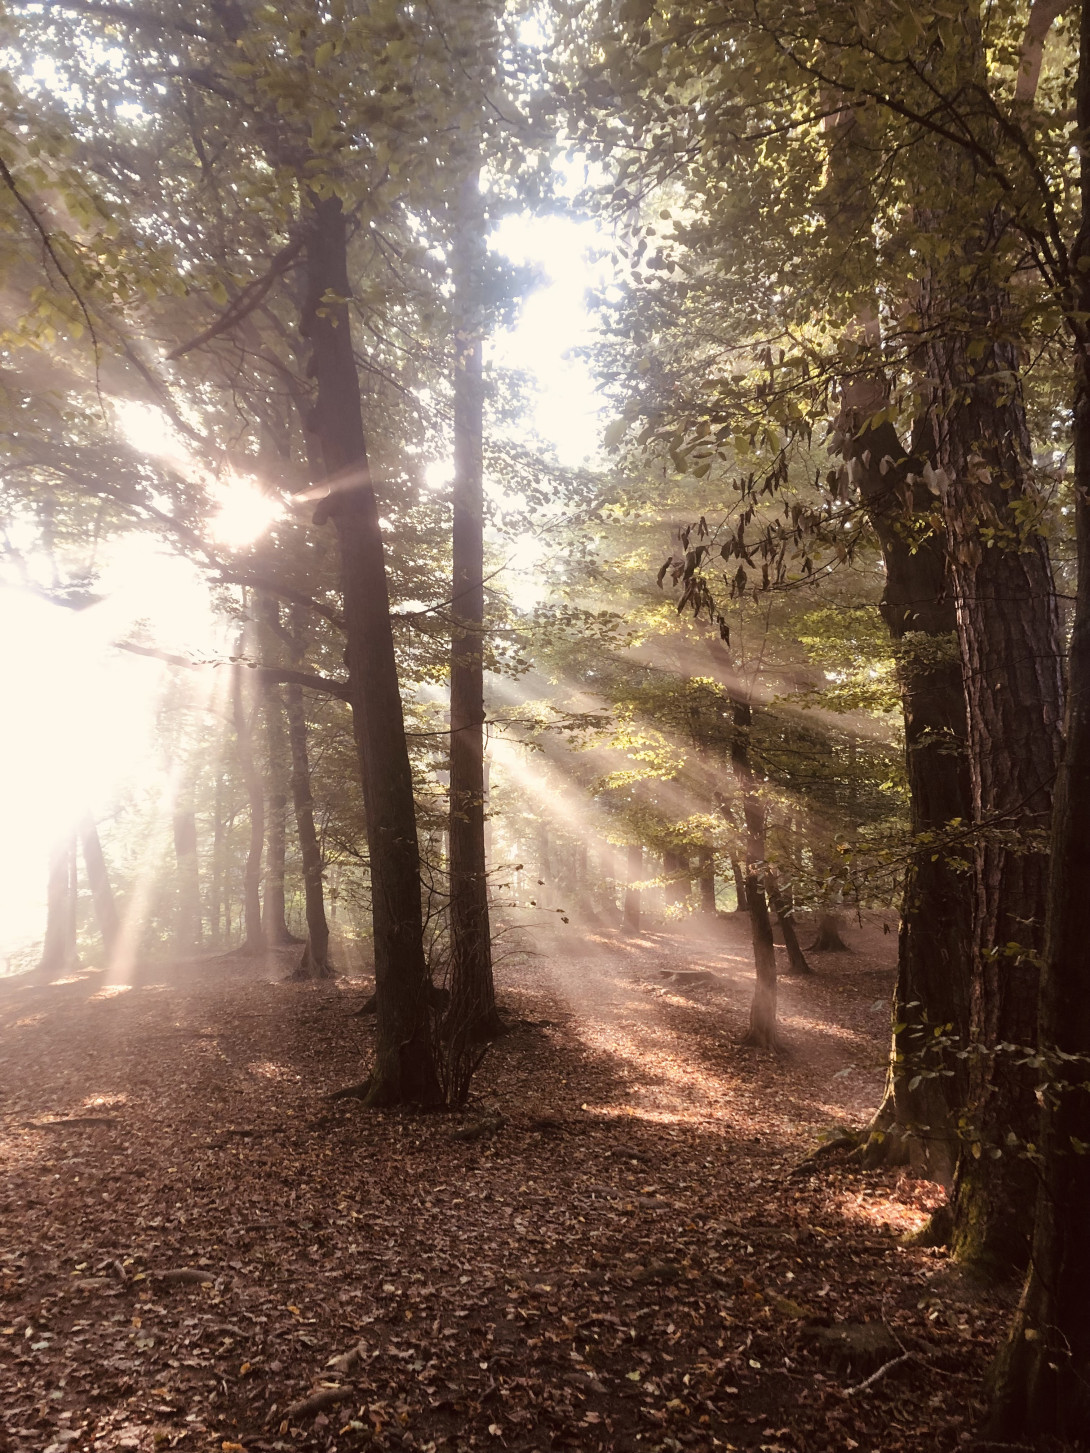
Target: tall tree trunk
column 59, row 953
column 634, row 876
column 98, row 880
column 253, row 941
column 927, row 1082
column 405, row 1068
column 472, row 1012
column 763, row 1032
column 1041, row 1382
column 188, row 934
column 218, row 909
column 274, row 908
column 315, row 961
column 1008, row 630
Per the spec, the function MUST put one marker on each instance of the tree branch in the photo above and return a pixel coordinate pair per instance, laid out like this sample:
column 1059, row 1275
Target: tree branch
column 267, row 675
column 250, row 298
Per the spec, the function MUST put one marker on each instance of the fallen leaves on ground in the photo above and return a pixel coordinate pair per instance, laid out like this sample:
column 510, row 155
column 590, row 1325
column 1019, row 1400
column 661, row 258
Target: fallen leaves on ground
column 201, row 1252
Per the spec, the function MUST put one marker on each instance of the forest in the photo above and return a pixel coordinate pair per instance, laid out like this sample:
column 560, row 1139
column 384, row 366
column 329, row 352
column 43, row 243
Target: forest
column 545, row 572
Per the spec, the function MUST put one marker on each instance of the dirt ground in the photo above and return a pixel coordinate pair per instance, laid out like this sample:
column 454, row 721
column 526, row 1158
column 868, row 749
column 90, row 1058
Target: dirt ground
column 641, row 1256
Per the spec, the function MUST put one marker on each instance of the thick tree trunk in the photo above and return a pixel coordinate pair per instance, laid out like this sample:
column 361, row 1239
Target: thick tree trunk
column 472, row 1014
column 634, row 876
column 927, row 1085
column 763, row 1030
column 1008, row 630
column 253, row 941
column 405, row 1068
column 188, row 926
column 1041, row 1382
column 796, row 959
column 828, row 939
column 59, row 955
column 98, row 880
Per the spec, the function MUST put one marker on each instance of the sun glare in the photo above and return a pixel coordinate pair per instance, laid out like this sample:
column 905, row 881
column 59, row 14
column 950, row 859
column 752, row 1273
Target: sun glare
column 244, row 511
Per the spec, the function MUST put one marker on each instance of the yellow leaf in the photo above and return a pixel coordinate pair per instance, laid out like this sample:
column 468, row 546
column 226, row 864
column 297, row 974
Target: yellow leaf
column 244, row 1369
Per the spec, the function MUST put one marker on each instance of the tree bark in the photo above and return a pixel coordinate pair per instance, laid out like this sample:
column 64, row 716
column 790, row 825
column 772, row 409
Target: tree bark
column 253, row 941
column 188, row 927
column 98, row 879
column 927, row 1083
column 472, row 1012
column 1008, row 631
column 276, row 830
column 1041, row 1383
column 405, row 1068
column 59, row 954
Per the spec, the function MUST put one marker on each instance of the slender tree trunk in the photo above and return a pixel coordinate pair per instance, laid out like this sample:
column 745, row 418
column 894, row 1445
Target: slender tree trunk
column 59, row 953
column 1041, row 1382
column 98, row 879
column 253, row 941
column 763, row 1032
column 707, row 882
column 218, row 906
column 634, row 876
column 276, row 831
column 405, row 1068
column 796, row 959
column 315, row 961
column 472, row 1011
column 188, row 935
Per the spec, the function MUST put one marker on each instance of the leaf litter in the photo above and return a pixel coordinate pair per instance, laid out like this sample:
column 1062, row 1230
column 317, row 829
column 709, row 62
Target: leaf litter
column 200, row 1251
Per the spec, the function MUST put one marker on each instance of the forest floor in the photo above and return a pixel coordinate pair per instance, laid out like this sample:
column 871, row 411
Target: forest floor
column 640, row 1257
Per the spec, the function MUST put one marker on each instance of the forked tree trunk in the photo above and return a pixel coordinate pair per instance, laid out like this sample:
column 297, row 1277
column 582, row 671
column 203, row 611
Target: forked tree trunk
column 253, row 941
column 405, row 1069
column 796, row 959
column 98, row 880
column 188, row 928
column 472, row 1014
column 59, row 954
column 634, row 876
